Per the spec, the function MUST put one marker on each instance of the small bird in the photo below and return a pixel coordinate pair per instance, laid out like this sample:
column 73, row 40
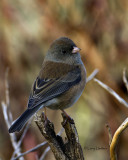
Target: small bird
column 59, row 84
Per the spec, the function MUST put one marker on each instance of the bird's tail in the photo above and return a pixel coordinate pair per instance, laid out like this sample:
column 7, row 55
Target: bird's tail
column 19, row 123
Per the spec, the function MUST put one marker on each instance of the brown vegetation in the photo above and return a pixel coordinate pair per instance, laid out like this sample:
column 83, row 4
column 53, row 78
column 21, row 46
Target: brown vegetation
column 99, row 28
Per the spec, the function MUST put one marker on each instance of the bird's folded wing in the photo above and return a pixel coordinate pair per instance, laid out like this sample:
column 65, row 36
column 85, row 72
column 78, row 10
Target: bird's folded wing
column 47, row 89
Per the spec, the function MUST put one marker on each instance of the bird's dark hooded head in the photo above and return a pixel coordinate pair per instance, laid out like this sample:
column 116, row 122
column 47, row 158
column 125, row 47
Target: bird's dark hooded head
column 64, row 50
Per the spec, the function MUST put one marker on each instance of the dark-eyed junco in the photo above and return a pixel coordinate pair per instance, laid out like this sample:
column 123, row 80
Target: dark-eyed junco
column 60, row 82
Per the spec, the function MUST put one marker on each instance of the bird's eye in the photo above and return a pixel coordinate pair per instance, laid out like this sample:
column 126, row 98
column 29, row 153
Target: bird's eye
column 63, row 51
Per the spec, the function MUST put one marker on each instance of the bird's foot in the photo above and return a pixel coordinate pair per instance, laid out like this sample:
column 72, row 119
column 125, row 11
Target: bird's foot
column 68, row 118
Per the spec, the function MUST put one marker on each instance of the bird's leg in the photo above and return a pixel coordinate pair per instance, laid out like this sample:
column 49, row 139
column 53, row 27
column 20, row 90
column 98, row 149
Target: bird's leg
column 45, row 114
column 65, row 113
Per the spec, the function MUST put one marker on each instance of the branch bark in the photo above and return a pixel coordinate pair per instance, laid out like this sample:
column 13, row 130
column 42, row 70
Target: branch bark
column 71, row 149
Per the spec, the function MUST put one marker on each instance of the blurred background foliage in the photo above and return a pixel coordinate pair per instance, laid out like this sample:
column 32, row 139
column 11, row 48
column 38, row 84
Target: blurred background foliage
column 100, row 29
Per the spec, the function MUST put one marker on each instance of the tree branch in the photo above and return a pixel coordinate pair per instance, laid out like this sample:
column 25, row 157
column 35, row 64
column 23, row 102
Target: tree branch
column 62, row 151
column 112, row 92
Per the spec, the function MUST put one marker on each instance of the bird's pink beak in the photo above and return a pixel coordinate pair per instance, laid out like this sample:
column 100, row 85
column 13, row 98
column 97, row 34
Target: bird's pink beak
column 75, row 49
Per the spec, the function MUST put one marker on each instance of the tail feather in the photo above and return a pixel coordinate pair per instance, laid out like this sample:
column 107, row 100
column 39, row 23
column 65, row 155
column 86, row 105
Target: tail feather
column 19, row 123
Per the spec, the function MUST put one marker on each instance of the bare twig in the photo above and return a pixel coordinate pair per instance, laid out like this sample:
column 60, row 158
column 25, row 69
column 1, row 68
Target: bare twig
column 115, row 139
column 7, row 100
column 21, row 139
column 44, row 153
column 4, row 108
column 125, row 79
column 60, row 132
column 112, row 92
column 93, row 74
column 95, row 148
column 7, row 88
column 24, row 133
column 31, row 150
column 8, row 116
column 109, row 133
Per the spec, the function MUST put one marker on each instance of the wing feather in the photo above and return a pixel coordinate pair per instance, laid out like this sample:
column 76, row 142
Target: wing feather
column 47, row 89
